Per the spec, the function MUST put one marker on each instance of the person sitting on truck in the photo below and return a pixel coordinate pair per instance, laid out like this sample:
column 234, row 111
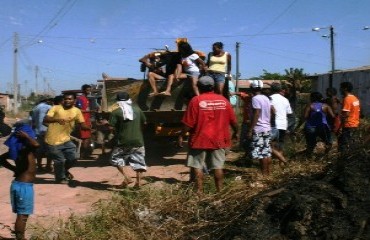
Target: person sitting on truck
column 190, row 62
column 155, row 65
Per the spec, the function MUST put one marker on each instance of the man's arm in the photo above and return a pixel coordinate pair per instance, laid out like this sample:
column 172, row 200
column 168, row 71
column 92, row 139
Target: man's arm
column 256, row 114
column 183, row 132
column 48, row 119
column 228, row 64
column 4, row 162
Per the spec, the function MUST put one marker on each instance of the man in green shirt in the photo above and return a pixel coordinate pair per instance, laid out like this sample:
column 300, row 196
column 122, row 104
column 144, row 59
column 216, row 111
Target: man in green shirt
column 127, row 122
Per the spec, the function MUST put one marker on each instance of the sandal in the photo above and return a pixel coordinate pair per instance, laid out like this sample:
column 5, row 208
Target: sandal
column 153, row 94
column 165, row 93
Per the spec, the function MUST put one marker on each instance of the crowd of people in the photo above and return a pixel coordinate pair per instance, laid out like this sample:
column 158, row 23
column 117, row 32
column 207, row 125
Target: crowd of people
column 207, row 122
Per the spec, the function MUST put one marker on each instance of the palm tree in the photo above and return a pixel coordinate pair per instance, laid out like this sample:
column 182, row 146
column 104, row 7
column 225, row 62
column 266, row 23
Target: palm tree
column 296, row 77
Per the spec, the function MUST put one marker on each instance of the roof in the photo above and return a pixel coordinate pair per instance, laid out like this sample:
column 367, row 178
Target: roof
column 244, row 83
column 362, row 68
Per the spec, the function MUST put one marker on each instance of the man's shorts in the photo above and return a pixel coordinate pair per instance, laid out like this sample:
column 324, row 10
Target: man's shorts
column 274, row 134
column 21, row 197
column 261, row 145
column 212, row 158
column 133, row 156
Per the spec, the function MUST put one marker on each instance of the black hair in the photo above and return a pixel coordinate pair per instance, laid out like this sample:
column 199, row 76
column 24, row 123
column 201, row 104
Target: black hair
column 332, row 91
column 69, row 94
column 346, row 86
column 58, row 99
column 218, row 44
column 185, row 49
column 315, row 97
column 85, row 86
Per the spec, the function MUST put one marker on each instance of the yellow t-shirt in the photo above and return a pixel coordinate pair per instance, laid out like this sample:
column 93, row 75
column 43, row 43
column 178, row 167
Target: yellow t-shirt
column 57, row 133
column 218, row 64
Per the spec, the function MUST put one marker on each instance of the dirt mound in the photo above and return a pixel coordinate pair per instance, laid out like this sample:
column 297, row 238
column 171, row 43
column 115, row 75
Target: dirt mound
column 333, row 206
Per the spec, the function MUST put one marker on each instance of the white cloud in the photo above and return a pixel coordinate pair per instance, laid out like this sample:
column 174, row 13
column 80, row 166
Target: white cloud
column 15, row 21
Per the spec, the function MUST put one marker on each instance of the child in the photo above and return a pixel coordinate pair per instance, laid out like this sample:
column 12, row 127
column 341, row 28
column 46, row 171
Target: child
column 22, row 146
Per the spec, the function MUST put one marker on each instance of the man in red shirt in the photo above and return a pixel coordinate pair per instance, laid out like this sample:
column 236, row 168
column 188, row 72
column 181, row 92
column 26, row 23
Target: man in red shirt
column 83, row 104
column 208, row 118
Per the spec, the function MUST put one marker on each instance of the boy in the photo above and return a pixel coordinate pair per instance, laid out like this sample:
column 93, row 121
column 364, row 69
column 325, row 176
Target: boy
column 22, row 147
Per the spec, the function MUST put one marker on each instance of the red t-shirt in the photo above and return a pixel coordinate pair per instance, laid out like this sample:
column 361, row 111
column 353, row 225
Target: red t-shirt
column 84, row 104
column 209, row 116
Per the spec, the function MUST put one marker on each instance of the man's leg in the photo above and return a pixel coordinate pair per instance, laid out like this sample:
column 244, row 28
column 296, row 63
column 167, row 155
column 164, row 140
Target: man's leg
column 199, row 180
column 219, row 179
column 126, row 180
column 20, row 226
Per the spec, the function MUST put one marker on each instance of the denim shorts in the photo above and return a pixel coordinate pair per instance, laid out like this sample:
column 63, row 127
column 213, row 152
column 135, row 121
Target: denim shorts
column 211, row 158
column 193, row 74
column 21, row 197
column 217, row 77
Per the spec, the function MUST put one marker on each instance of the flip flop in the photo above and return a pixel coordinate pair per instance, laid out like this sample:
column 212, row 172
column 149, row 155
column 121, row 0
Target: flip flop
column 153, row 94
column 165, row 93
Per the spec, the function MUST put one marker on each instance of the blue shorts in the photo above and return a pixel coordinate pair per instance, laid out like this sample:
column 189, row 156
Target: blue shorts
column 21, row 197
column 193, row 74
column 217, row 77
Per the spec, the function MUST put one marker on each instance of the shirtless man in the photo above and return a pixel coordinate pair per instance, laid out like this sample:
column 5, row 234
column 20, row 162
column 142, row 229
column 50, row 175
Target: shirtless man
column 21, row 189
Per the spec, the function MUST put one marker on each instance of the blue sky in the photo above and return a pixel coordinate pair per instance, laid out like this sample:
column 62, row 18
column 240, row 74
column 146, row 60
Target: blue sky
column 73, row 41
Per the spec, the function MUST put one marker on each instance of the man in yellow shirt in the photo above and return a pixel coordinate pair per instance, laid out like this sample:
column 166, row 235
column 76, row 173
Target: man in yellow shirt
column 61, row 120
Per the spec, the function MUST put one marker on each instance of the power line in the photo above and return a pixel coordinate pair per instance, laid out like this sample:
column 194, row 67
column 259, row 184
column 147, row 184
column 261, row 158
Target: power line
column 54, row 21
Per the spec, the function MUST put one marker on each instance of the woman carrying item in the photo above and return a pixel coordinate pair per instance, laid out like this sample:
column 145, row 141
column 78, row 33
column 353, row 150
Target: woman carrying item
column 190, row 62
column 219, row 65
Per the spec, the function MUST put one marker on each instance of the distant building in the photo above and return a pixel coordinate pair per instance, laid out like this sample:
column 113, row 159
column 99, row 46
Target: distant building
column 359, row 77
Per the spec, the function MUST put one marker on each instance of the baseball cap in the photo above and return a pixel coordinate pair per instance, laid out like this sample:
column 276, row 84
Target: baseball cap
column 122, row 96
column 256, row 84
column 206, row 81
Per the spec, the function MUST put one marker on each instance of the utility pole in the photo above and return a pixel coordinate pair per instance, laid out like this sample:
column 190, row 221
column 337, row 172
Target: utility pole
column 237, row 73
column 332, row 55
column 15, row 74
column 36, row 79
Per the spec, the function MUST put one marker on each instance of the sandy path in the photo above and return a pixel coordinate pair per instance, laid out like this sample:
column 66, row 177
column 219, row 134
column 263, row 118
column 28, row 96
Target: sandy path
column 93, row 181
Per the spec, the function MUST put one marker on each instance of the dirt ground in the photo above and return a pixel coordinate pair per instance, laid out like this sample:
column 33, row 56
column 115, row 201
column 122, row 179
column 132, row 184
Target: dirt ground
column 94, row 180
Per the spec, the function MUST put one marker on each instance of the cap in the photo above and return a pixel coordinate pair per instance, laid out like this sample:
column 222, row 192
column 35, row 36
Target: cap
column 122, row 96
column 276, row 87
column 206, row 81
column 256, row 84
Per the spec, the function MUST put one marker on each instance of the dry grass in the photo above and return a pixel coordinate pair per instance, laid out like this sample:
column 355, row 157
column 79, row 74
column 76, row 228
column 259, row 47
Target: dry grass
column 176, row 212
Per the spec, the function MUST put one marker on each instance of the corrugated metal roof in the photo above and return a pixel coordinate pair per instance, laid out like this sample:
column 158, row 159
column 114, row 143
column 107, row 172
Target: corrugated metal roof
column 362, row 68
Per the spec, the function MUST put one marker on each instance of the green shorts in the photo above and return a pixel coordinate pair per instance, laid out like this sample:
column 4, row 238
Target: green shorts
column 211, row 158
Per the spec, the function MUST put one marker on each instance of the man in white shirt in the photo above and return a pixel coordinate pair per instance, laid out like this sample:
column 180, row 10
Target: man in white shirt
column 282, row 109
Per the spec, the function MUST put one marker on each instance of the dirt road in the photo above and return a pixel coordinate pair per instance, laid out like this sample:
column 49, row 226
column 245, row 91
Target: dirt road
column 94, row 180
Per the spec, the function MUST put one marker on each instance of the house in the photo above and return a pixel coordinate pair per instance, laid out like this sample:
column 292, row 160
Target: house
column 359, row 77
